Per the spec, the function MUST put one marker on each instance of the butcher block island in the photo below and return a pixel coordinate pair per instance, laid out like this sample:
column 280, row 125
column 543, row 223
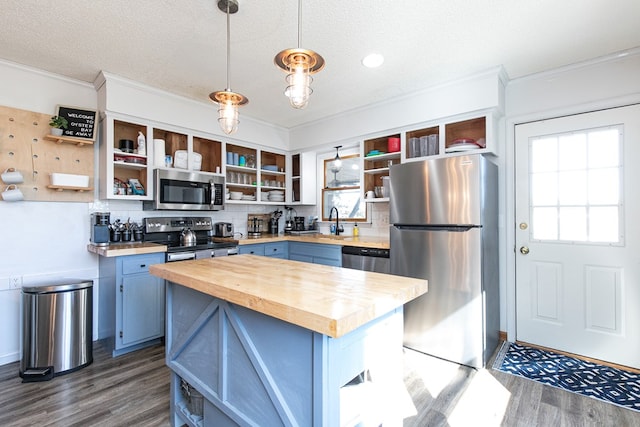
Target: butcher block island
column 255, row 341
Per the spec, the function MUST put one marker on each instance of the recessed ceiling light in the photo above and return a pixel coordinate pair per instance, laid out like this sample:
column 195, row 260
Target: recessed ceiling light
column 373, row 60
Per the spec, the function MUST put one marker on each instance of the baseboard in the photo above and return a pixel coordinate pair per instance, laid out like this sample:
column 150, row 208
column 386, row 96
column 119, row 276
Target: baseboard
column 9, row 358
column 503, row 336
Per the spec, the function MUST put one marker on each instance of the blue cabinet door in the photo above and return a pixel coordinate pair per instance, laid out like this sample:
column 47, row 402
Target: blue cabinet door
column 255, row 249
column 277, row 250
column 316, row 253
column 142, row 308
column 140, row 301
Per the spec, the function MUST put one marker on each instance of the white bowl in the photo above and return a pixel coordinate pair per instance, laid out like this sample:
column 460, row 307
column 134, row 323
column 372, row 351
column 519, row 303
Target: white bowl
column 69, row 180
column 236, row 195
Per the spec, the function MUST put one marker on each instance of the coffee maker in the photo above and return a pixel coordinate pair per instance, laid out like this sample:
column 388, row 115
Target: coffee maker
column 100, row 228
column 298, row 223
column 288, row 225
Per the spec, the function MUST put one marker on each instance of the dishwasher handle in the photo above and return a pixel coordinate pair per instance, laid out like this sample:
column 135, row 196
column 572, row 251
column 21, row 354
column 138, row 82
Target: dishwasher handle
column 368, row 252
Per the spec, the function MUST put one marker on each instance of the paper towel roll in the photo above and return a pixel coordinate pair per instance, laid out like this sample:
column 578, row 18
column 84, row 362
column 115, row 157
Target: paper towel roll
column 158, row 153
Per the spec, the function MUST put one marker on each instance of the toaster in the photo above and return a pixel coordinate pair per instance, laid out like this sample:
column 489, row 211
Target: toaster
column 223, row 229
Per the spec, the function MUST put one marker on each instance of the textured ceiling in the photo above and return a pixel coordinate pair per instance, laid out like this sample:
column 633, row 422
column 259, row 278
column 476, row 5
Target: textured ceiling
column 180, row 46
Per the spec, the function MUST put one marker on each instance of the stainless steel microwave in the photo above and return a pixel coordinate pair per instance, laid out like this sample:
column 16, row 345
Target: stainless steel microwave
column 184, row 190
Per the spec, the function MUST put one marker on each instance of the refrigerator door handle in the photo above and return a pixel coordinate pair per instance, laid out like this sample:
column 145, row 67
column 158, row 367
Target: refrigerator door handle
column 459, row 228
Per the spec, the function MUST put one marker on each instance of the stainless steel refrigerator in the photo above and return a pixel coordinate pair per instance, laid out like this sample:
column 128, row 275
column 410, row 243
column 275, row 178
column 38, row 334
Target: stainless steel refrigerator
column 444, row 228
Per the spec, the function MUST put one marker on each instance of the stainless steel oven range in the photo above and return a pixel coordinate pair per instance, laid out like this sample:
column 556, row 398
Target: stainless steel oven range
column 178, row 234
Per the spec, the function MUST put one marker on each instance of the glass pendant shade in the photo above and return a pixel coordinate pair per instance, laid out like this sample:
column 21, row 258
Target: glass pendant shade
column 299, row 64
column 228, row 103
column 299, row 81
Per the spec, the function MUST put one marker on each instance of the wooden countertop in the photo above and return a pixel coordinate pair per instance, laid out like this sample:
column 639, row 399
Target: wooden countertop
column 330, row 300
column 137, row 248
column 128, row 248
column 346, row 240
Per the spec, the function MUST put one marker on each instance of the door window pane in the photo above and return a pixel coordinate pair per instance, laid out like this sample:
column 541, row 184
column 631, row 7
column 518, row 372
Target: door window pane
column 572, row 188
column 576, row 186
column 603, row 224
column 573, row 224
column 546, row 221
column 544, row 189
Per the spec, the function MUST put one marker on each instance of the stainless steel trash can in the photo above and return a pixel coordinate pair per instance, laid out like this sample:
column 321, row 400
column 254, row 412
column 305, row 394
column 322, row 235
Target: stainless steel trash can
column 57, row 329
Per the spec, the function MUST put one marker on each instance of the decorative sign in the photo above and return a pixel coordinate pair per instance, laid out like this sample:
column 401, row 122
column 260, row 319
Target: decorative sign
column 82, row 122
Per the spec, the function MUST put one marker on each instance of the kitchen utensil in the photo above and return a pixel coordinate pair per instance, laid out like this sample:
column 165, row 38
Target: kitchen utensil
column 385, row 186
column 288, row 225
column 187, row 237
column 12, row 176
column 223, row 229
column 116, row 235
column 370, row 194
column 378, row 191
column 393, row 144
column 255, row 226
column 126, row 145
column 12, row 193
column 298, row 223
column 273, row 226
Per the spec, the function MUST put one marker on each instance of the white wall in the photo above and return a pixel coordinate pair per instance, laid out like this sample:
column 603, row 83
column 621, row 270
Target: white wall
column 597, row 84
column 40, row 240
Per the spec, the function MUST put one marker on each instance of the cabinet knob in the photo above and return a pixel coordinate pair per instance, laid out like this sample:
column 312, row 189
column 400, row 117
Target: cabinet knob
column 524, row 250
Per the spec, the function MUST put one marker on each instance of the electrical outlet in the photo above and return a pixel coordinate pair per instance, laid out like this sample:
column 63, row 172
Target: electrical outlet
column 15, row 282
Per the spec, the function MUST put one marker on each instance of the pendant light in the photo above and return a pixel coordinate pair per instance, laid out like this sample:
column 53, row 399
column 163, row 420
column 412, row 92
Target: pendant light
column 227, row 100
column 299, row 64
column 336, row 166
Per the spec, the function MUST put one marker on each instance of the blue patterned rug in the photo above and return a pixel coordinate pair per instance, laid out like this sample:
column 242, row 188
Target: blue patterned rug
column 609, row 384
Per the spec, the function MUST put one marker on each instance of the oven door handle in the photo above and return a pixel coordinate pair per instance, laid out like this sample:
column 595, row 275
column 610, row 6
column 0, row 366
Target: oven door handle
column 180, row 256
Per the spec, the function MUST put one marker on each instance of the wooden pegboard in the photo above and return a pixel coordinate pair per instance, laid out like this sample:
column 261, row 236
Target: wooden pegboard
column 25, row 146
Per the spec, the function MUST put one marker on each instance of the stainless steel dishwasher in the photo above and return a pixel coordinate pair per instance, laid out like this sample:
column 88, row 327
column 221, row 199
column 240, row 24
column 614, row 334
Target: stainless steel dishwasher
column 366, row 259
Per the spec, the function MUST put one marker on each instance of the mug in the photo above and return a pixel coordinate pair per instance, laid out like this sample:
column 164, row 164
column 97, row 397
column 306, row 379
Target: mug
column 12, row 193
column 12, row 176
column 370, row 195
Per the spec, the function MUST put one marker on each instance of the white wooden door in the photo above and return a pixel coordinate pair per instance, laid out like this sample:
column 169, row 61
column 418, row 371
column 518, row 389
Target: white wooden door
column 578, row 234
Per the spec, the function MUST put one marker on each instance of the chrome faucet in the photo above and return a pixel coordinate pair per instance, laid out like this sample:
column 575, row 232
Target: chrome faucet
column 338, row 229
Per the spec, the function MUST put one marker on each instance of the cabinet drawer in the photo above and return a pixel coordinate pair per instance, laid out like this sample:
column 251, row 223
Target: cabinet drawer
column 257, row 249
column 276, row 249
column 140, row 263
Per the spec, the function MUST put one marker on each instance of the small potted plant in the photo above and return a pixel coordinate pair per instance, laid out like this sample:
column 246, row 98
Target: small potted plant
column 57, row 124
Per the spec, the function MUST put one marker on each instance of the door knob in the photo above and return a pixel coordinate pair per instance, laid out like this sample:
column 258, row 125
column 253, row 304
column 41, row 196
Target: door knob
column 524, row 250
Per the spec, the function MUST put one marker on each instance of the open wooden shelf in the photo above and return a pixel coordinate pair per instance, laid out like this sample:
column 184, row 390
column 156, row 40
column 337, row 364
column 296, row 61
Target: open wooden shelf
column 68, row 140
column 64, row 187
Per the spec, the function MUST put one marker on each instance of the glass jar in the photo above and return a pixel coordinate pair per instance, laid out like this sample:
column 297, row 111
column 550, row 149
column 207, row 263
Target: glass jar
column 250, row 161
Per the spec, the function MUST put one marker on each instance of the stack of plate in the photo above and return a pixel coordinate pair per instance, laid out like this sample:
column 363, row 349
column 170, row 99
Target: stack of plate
column 276, row 196
column 251, row 197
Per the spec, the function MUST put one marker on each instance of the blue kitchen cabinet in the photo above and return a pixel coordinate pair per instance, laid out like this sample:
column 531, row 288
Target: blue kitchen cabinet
column 316, row 253
column 274, row 250
column 255, row 249
column 139, row 300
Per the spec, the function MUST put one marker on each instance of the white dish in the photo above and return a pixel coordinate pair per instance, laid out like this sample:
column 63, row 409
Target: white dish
column 462, row 147
column 235, row 195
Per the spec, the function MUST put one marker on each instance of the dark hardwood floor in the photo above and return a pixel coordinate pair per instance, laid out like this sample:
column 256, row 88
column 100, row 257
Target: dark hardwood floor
column 133, row 390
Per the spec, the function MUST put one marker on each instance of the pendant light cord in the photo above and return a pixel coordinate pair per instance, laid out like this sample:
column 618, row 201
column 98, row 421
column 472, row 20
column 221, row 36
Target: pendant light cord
column 228, row 47
column 299, row 22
